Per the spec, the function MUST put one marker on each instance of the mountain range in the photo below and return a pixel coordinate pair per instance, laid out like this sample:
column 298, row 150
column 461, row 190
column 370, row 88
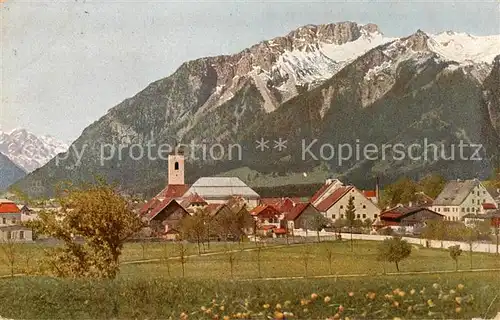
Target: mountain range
column 339, row 83
column 9, row 172
column 28, row 150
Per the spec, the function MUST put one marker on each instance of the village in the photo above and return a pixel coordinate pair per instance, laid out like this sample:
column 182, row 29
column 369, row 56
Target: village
column 235, row 212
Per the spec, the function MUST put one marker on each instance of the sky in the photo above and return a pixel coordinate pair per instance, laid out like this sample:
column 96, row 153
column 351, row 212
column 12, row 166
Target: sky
column 65, row 63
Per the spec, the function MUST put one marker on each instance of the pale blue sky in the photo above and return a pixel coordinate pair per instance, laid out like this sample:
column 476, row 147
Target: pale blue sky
column 64, row 65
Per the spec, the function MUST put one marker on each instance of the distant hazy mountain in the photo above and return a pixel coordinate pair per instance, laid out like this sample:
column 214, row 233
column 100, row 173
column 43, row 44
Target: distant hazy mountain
column 9, row 172
column 29, row 151
column 338, row 83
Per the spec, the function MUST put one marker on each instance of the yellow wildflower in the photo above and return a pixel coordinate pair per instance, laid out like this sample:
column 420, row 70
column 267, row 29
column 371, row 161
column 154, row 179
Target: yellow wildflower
column 401, row 293
column 183, row 316
column 458, row 309
column 460, row 286
column 351, row 294
column 278, row 306
column 412, row 291
column 430, row 303
column 458, row 300
column 371, row 295
column 327, row 299
column 226, row 318
column 221, row 308
column 305, row 310
column 287, row 303
column 396, row 304
column 452, row 291
column 278, row 315
column 266, row 306
column 435, row 286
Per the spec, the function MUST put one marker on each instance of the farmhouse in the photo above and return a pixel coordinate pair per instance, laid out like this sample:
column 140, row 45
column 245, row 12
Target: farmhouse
column 300, row 216
column 332, row 199
column 10, row 223
column 461, row 197
column 408, row 216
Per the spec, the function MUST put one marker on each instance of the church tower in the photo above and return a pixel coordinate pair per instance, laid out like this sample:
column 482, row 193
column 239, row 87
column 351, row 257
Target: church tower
column 176, row 167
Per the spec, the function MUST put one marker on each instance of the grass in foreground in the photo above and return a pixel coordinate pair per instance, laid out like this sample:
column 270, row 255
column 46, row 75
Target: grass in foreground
column 455, row 296
column 306, row 260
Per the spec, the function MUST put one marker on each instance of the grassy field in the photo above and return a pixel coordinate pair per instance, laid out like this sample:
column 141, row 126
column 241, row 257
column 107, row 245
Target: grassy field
column 208, row 290
column 301, row 260
column 454, row 296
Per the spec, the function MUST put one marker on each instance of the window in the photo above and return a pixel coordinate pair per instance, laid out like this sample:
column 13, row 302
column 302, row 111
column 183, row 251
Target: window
column 341, row 207
column 9, row 235
column 478, row 193
column 484, row 192
column 333, row 216
column 364, row 206
column 472, row 201
column 484, row 200
column 13, row 220
column 176, row 165
column 468, row 209
column 21, row 234
column 463, row 209
column 4, row 221
column 341, row 216
column 364, row 216
column 375, row 216
column 359, row 216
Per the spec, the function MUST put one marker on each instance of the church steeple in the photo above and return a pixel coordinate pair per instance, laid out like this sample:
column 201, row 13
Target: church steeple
column 176, row 167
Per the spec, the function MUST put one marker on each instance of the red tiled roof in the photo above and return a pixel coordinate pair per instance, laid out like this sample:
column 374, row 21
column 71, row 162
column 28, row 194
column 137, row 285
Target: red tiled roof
column 149, row 205
column 279, row 231
column 319, row 192
column 162, row 205
column 265, row 211
column 333, row 198
column 489, row 206
column 9, row 207
column 370, row 193
column 296, row 211
column 258, row 209
column 193, row 198
column 173, row 191
column 268, row 227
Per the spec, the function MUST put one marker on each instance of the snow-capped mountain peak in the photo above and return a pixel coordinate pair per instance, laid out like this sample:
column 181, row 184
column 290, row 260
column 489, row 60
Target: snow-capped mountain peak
column 465, row 48
column 29, row 151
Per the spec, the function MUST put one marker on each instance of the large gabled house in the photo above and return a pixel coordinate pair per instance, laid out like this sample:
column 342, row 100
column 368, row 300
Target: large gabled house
column 332, row 199
column 300, row 216
column 462, row 197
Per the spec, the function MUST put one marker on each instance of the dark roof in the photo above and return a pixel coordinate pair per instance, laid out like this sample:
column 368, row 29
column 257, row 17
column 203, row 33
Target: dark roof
column 173, row 191
column 455, row 192
column 159, row 208
column 400, row 212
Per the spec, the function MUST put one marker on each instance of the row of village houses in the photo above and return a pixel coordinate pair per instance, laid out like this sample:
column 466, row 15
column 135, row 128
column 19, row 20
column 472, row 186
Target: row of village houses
column 460, row 200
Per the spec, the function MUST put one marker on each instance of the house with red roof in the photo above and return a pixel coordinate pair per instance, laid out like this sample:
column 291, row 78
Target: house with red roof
column 10, row 223
column 165, row 219
column 266, row 215
column 332, row 199
column 300, row 216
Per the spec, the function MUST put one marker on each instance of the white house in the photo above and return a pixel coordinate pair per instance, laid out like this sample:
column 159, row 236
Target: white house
column 10, row 223
column 462, row 197
column 332, row 199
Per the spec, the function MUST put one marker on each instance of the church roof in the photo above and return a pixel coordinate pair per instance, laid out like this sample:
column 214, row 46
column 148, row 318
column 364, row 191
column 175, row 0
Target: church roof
column 222, row 188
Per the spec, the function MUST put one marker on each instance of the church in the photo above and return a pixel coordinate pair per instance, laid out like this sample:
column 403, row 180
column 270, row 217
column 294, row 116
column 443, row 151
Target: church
column 205, row 191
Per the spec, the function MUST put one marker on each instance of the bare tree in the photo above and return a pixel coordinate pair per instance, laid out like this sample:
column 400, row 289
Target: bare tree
column 10, row 253
column 182, row 256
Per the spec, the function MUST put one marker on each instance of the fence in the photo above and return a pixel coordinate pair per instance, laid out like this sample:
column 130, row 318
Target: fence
column 476, row 246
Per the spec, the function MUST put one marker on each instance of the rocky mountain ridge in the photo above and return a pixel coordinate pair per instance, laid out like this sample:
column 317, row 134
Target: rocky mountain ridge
column 336, row 83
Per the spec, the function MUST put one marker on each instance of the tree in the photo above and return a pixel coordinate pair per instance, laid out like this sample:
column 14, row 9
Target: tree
column 10, row 252
column 394, row 249
column 350, row 214
column 432, row 185
column 317, row 222
column 93, row 224
column 182, row 256
column 455, row 252
column 195, row 227
column 400, row 192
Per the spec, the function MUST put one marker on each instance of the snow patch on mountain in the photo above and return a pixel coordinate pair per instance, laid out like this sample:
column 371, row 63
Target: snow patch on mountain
column 465, row 48
column 29, row 151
